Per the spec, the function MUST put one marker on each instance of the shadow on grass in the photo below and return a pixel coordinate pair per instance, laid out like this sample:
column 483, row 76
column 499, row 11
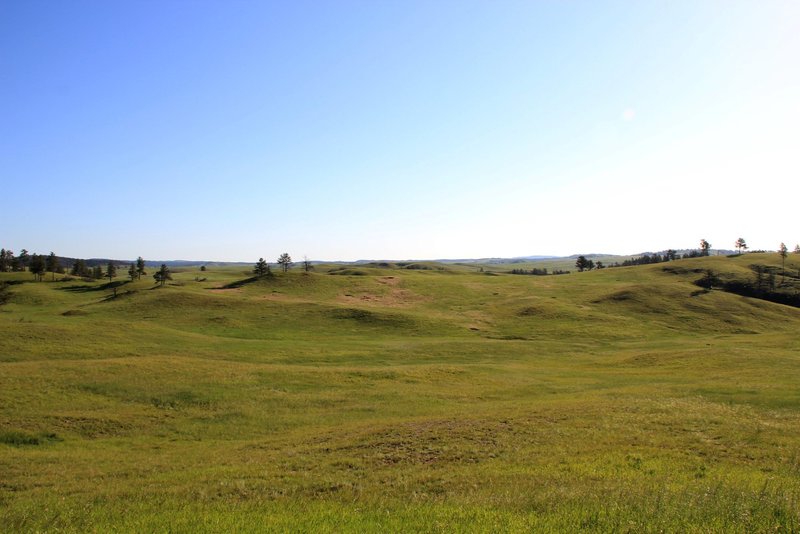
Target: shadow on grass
column 5, row 295
column 764, row 287
column 240, row 283
column 91, row 288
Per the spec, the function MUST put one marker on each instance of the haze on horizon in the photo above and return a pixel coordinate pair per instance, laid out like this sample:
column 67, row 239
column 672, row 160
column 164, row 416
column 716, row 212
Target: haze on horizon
column 353, row 130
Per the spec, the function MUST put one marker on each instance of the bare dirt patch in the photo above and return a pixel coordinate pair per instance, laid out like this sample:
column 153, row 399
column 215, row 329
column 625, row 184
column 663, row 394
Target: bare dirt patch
column 393, row 295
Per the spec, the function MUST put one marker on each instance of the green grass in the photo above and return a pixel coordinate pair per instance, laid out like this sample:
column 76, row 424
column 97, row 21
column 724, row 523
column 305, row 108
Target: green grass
column 382, row 398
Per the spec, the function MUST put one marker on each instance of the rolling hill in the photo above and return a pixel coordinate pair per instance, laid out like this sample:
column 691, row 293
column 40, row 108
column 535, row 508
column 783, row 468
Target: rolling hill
column 379, row 397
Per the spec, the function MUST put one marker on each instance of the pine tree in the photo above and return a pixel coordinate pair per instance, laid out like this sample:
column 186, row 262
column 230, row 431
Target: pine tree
column 285, row 261
column 24, row 258
column 111, row 271
column 261, row 267
column 783, row 251
column 705, row 247
column 7, row 261
column 133, row 273
column 37, row 266
column 162, row 275
column 97, row 272
column 741, row 245
column 140, row 268
column 79, row 268
column 52, row 264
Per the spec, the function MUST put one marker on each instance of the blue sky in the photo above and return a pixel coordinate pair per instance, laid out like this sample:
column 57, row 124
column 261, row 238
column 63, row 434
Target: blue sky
column 348, row 130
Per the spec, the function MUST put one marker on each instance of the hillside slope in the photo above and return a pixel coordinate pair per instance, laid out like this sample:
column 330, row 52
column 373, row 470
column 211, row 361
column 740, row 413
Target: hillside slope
column 386, row 398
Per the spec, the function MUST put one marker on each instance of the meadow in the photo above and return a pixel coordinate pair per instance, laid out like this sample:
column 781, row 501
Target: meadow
column 378, row 398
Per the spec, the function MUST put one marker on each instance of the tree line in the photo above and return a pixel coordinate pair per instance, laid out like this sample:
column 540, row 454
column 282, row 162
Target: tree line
column 538, row 272
column 764, row 284
column 284, row 262
column 672, row 255
column 39, row 265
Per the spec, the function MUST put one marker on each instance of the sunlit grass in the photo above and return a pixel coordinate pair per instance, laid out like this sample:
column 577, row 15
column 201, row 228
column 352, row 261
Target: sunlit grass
column 400, row 400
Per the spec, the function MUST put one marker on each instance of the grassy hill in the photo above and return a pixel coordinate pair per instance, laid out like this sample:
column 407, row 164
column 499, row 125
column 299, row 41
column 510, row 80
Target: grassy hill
column 386, row 397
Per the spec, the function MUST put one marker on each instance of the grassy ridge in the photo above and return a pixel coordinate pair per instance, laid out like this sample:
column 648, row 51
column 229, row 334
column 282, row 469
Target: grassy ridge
column 400, row 399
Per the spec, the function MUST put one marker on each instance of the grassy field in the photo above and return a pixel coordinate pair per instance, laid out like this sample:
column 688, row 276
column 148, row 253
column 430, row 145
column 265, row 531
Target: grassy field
column 381, row 399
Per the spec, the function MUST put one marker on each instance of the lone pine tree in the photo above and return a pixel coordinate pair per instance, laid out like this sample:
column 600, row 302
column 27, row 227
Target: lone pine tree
column 261, row 268
column 285, row 261
column 52, row 264
column 111, row 271
column 140, row 267
column 162, row 275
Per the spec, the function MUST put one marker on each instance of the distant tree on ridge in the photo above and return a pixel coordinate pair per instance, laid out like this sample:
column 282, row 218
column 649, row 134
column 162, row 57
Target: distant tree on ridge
column 52, row 264
column 162, row 275
column 24, row 258
column 37, row 266
column 261, row 268
column 140, row 267
column 79, row 268
column 741, row 245
column 111, row 271
column 783, row 251
column 285, row 261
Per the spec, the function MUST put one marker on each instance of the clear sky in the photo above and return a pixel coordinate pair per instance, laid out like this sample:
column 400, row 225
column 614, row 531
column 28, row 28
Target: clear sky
column 397, row 129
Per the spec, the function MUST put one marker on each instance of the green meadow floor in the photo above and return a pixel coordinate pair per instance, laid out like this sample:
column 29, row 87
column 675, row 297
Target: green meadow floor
column 386, row 400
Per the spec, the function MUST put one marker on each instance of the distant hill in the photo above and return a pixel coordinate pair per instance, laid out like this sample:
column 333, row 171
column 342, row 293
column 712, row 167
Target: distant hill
column 68, row 261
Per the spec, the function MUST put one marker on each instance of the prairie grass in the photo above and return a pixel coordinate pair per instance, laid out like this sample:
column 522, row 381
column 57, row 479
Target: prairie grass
column 431, row 399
